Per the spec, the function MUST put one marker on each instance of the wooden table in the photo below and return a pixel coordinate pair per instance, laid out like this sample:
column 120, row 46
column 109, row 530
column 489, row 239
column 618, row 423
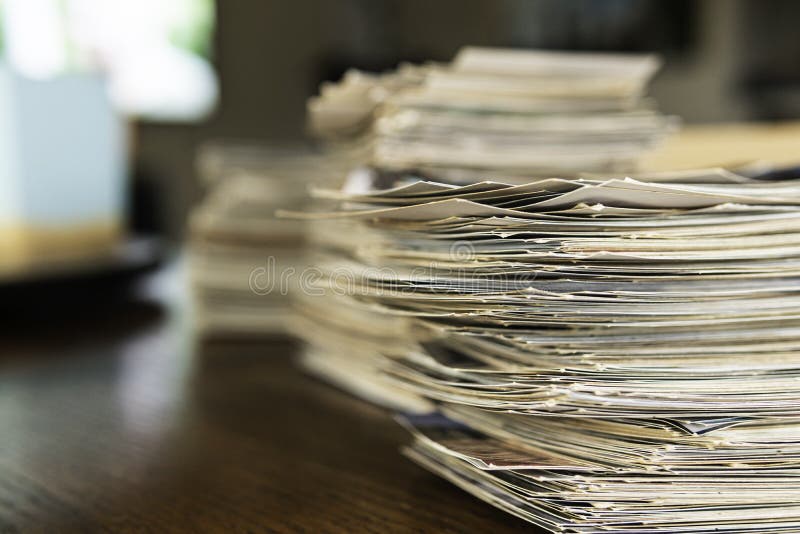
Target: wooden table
column 728, row 145
column 116, row 420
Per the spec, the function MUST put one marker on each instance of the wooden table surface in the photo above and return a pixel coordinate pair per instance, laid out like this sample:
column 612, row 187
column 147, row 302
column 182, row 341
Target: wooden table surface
column 117, row 420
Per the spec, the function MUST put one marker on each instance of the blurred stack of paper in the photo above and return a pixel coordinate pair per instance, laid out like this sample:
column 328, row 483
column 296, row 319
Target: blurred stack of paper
column 496, row 114
column 612, row 354
column 244, row 261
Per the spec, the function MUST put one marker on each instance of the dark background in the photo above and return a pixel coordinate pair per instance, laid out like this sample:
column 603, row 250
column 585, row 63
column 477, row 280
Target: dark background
column 725, row 60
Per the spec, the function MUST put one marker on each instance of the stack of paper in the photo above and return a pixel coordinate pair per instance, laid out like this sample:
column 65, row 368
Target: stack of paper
column 494, row 113
column 610, row 354
column 245, row 261
column 602, row 349
column 489, row 114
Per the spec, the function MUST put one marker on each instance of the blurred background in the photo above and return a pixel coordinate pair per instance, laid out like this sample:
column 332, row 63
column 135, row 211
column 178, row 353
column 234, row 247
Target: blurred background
column 184, row 72
column 725, row 60
column 105, row 105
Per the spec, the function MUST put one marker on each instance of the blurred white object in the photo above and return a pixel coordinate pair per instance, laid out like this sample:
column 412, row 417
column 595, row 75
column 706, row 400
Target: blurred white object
column 164, row 84
column 34, row 37
column 244, row 262
column 152, row 51
column 62, row 167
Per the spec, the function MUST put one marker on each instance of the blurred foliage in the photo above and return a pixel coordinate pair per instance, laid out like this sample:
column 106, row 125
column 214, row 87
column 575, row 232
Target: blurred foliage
column 193, row 31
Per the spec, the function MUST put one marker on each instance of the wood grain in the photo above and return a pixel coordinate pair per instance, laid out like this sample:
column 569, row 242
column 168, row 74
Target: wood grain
column 119, row 421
